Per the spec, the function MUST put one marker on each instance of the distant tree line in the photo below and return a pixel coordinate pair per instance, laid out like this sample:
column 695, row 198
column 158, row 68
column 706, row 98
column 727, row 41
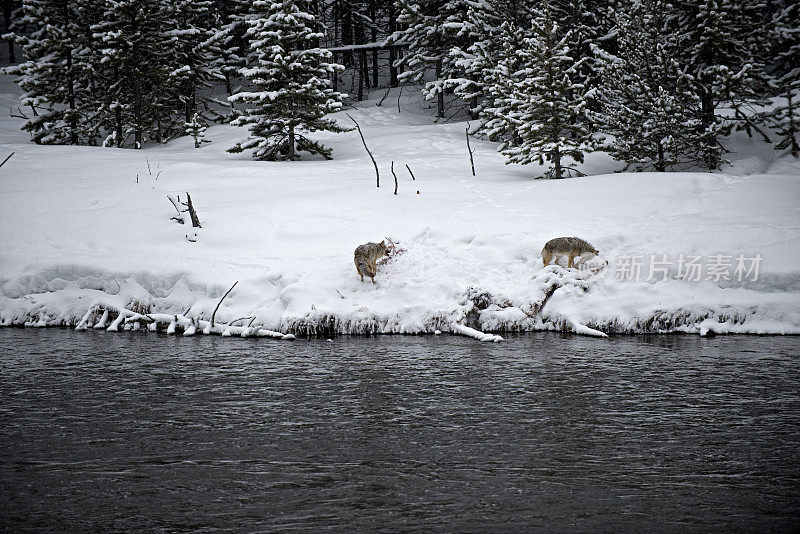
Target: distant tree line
column 658, row 84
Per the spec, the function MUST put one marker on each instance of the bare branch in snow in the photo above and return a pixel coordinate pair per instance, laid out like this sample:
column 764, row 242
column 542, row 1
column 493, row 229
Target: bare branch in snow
column 7, row 158
column 384, row 97
column 395, row 178
column 377, row 172
column 220, row 302
column 175, row 202
column 469, row 149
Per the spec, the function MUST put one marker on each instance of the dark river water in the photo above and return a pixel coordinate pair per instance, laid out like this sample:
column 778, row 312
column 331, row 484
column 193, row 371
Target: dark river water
column 144, row 432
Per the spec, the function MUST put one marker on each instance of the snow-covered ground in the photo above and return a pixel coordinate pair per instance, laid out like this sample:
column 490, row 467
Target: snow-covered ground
column 79, row 236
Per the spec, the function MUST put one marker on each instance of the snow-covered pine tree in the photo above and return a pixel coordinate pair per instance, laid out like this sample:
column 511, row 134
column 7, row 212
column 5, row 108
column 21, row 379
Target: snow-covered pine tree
column 480, row 44
column 194, row 52
column 432, row 30
column 231, row 41
column 534, row 96
column 475, row 54
column 646, row 106
column 55, row 74
column 499, row 62
column 718, row 52
column 785, row 81
column 291, row 85
column 587, row 24
column 196, row 128
column 136, row 101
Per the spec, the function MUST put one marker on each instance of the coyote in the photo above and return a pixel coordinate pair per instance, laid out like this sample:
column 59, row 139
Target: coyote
column 566, row 246
column 366, row 257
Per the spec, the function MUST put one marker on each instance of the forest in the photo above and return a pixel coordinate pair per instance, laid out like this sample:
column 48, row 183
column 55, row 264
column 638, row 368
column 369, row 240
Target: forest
column 657, row 84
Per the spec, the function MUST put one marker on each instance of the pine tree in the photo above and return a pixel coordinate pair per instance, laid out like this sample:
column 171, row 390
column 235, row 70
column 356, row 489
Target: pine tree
column 193, row 67
column 231, row 42
column 432, row 30
column 55, row 75
column 479, row 31
column 587, row 24
column 136, row 101
column 539, row 100
column 292, row 93
column 718, row 51
column 785, row 82
column 647, row 106
column 196, row 128
column 482, row 40
column 499, row 62
column 426, row 46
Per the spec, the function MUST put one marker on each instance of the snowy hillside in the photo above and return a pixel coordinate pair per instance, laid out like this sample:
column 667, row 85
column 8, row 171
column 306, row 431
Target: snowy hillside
column 82, row 236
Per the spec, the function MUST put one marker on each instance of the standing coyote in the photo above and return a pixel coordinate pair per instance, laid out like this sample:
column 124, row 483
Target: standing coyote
column 566, row 246
column 366, row 257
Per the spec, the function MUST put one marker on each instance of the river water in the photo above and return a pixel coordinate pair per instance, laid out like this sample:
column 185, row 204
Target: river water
column 543, row 432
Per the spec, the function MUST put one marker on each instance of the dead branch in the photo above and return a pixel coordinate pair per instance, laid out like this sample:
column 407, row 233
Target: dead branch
column 469, row 149
column 192, row 212
column 400, row 92
column 384, row 97
column 220, row 302
column 409, row 172
column 377, row 173
column 172, row 199
column 148, row 166
column 7, row 158
column 21, row 115
column 251, row 317
column 395, row 179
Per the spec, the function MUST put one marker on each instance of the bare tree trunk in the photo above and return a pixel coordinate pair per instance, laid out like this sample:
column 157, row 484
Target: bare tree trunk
column 6, row 28
column 291, row 143
column 558, row 163
column 440, row 96
column 118, row 120
column 792, row 129
column 335, row 82
column 392, row 51
column 707, row 119
column 73, row 118
column 374, row 34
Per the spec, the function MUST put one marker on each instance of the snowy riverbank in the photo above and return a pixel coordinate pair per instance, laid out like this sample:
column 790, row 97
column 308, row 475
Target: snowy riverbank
column 80, row 233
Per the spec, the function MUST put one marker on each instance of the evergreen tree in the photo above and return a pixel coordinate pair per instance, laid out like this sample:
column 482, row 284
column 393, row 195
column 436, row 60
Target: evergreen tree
column 196, row 128
column 498, row 62
column 231, row 42
column 646, row 105
column 136, row 101
column 718, row 51
column 292, row 93
column 536, row 98
column 785, row 82
column 193, row 66
column 587, row 24
column 432, row 30
column 478, row 53
column 55, row 74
